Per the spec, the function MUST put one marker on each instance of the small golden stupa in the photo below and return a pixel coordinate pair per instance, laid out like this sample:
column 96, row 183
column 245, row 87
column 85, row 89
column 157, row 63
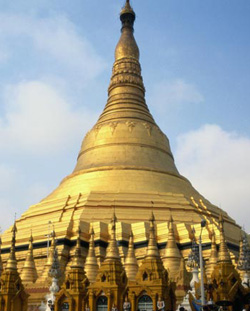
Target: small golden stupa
column 125, row 165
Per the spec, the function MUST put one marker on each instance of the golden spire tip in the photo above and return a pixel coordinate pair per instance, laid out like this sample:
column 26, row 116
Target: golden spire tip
column 152, row 218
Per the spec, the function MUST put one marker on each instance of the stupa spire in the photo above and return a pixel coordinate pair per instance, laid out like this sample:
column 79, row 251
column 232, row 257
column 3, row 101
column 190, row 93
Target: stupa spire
column 11, row 262
column 214, row 254
column 213, row 258
column 172, row 258
column 112, row 250
column 78, row 260
column 52, row 248
column 50, row 258
column 29, row 273
column 91, row 265
column 126, row 123
column 223, row 255
column 131, row 265
column 152, row 250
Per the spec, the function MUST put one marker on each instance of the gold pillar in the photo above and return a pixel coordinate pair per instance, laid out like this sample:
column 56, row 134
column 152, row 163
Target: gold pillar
column 154, row 302
column 133, row 301
column 91, row 301
column 109, row 301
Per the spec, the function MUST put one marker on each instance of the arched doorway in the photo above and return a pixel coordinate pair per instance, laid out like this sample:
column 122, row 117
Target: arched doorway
column 145, row 303
column 102, row 303
column 65, row 306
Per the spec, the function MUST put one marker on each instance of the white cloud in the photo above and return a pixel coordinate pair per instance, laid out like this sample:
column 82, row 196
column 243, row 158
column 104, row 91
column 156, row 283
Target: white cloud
column 175, row 93
column 57, row 37
column 217, row 163
column 17, row 193
column 38, row 120
column 7, row 210
column 7, row 177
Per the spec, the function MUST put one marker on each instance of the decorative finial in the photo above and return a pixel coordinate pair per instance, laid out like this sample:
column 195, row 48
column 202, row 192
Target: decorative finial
column 131, row 265
column 91, row 266
column 213, row 259
column 114, row 218
column 152, row 219
column 112, row 250
column 127, row 15
column 55, row 271
column 172, row 258
column 152, row 250
column 12, row 263
column 223, row 255
column 29, row 273
column 78, row 261
column 171, row 218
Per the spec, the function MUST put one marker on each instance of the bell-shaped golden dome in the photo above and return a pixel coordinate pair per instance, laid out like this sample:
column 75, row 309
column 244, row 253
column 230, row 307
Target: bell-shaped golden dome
column 125, row 161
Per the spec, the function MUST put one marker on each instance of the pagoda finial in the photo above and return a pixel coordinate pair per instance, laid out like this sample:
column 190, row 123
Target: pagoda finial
column 223, row 255
column 172, row 251
column 91, row 265
column 172, row 258
column 131, row 265
column 52, row 248
column 127, row 47
column 112, row 250
column 214, row 254
column 29, row 273
column 77, row 260
column 11, row 262
column 55, row 270
column 244, row 260
column 152, row 250
column 127, row 9
column 213, row 258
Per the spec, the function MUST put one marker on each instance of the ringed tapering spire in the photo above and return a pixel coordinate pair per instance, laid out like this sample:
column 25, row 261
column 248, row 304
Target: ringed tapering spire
column 131, row 265
column 213, row 259
column 126, row 125
column 78, row 260
column 112, row 250
column 152, row 250
column 172, row 258
column 223, row 255
column 11, row 262
column 91, row 266
column 214, row 254
column 50, row 258
column 29, row 273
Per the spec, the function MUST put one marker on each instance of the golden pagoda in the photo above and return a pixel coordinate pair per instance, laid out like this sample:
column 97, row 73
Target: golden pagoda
column 29, row 273
column 74, row 288
column 172, row 257
column 13, row 296
column 91, row 266
column 111, row 280
column 125, row 164
column 227, row 285
column 131, row 264
column 151, row 281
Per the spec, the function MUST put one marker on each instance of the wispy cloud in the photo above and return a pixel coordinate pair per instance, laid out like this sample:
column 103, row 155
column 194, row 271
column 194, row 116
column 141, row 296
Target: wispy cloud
column 174, row 94
column 39, row 120
column 56, row 37
column 217, row 163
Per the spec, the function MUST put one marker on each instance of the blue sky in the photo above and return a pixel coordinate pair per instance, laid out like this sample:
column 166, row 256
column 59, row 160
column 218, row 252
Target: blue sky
column 55, row 63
